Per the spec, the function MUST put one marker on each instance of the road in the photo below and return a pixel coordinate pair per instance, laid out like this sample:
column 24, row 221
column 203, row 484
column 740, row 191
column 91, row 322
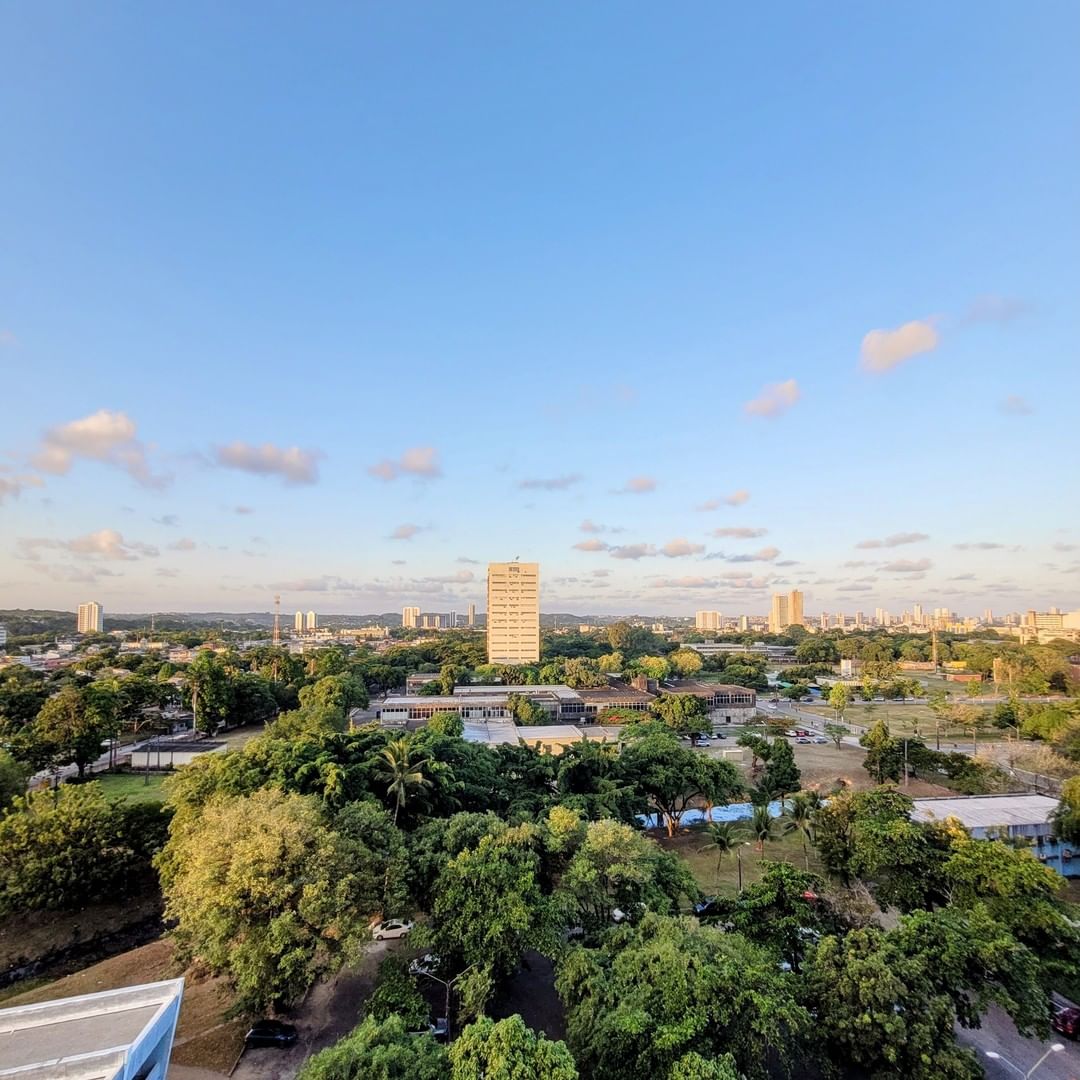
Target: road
column 999, row 1035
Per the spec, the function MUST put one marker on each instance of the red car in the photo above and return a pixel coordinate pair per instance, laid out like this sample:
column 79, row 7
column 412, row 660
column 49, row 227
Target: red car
column 1064, row 1016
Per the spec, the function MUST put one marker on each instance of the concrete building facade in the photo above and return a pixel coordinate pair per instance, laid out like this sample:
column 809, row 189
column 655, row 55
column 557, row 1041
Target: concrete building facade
column 91, row 618
column 513, row 613
column 410, row 617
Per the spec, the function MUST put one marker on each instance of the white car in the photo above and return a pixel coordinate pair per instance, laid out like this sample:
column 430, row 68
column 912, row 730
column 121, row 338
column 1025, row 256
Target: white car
column 390, row 929
column 427, row 964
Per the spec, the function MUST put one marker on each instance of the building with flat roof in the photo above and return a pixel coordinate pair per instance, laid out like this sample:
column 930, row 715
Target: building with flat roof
column 410, row 617
column 1006, row 817
column 513, row 613
column 708, row 620
column 122, row 1034
column 91, row 618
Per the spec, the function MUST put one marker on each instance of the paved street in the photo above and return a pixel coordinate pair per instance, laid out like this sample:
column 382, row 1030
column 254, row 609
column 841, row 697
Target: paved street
column 999, row 1035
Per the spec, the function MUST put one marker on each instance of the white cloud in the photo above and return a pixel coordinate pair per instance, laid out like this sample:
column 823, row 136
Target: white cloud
column 993, row 308
column 637, row 485
column 600, row 573
column 108, row 437
column 883, row 350
column 104, row 544
column 243, row 509
column 168, row 520
column 738, row 533
column 467, row 561
column 895, row 540
column 293, row 465
column 551, row 483
column 406, row 531
column 14, row 485
column 907, row 566
column 765, row 554
column 591, row 545
column 185, row 543
column 1015, row 405
column 633, row 551
column 588, row 526
column 684, row 583
column 979, row 545
column 774, row 399
column 418, row 461
column 736, row 498
column 677, row 549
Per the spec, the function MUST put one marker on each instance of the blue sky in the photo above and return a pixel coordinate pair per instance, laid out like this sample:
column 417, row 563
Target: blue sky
column 472, row 269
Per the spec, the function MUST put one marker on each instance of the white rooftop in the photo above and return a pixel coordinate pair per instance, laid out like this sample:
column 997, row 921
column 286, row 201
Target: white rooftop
column 987, row 811
column 81, row 1038
column 491, row 732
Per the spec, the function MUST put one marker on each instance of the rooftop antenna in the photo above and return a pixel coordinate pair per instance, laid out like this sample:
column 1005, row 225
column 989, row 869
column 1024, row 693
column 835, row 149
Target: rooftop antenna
column 277, row 620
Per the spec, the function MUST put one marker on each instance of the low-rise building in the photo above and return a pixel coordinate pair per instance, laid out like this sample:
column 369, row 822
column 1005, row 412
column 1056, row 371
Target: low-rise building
column 1006, row 817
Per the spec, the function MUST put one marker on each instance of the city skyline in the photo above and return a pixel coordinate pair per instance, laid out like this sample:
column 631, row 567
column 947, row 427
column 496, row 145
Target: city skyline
column 686, row 333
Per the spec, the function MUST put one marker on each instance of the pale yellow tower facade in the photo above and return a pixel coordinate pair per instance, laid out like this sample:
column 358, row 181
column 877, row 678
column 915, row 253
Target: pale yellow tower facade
column 513, row 613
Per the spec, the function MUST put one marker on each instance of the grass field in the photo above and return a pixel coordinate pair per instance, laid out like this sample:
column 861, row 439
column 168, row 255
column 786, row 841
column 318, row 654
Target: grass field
column 703, row 864
column 238, row 736
column 905, row 720
column 132, row 785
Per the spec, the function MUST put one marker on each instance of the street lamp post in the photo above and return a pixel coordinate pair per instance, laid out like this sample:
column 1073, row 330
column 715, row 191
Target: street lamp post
column 1054, row 1048
column 446, row 984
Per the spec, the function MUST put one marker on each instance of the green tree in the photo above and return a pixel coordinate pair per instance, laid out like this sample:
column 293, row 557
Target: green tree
column 396, row 994
column 685, row 714
column 265, row 891
column 508, row 1050
column 763, row 827
column 836, row 732
column 12, row 780
column 652, row 667
column 668, row 987
column 839, row 699
column 379, row 1050
column 781, row 774
column 210, row 689
column 447, row 723
column 722, row 838
column 1066, row 818
column 800, row 815
column 71, row 729
column 685, row 662
column 402, row 773
column 884, row 754
column 817, row 650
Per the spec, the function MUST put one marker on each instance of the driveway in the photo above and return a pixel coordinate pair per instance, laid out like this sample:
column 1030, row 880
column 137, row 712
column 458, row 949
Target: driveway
column 331, row 1010
column 1018, row 1054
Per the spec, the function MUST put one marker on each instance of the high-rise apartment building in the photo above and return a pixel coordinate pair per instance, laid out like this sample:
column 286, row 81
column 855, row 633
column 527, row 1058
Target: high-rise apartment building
column 3, row 635
column 917, row 614
column 91, row 618
column 708, row 620
column 988, row 617
column 744, row 623
column 410, row 617
column 298, row 623
column 823, row 620
column 312, row 621
column 786, row 610
column 513, row 613
column 881, row 617
column 860, row 619
column 471, row 616
column 838, row 620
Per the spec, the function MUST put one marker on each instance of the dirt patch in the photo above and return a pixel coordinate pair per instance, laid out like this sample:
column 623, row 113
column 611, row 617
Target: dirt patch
column 56, row 943
column 823, row 767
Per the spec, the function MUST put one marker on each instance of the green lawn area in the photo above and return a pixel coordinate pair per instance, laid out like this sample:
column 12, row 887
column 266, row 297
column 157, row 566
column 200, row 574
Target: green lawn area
column 702, row 864
column 905, row 720
column 238, row 736
column 132, row 785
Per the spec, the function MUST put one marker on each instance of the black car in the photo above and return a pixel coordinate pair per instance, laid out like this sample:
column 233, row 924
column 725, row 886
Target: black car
column 271, row 1033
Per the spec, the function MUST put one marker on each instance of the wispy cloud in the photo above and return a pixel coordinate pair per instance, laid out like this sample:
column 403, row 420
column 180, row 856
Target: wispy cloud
column 738, row 533
column 774, row 399
column 993, row 308
column 418, row 461
column 105, row 544
column 468, row 561
column 593, row 527
column 895, row 540
column 244, row 510
column 291, row 464
column 1015, row 405
column 103, row 436
column 185, row 543
column 765, row 554
column 14, row 485
column 882, row 350
column 591, row 545
column 550, row 483
column 736, row 498
column 677, row 549
column 979, row 545
column 637, row 485
column 168, row 520
column 8, row 339
column 633, row 551
column 907, row 566
column 685, row 583
column 406, row 531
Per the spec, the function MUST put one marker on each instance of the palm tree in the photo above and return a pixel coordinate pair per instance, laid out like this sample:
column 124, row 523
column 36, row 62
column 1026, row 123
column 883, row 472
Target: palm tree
column 800, row 817
column 724, row 837
column 762, row 826
column 401, row 772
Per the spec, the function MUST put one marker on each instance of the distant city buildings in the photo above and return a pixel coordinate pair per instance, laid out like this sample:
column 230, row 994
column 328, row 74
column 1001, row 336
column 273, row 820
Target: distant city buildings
column 708, row 620
column 471, row 616
column 744, row 623
column 311, row 622
column 410, row 618
column 3, row 635
column 298, row 623
column 513, row 613
column 91, row 618
column 786, row 610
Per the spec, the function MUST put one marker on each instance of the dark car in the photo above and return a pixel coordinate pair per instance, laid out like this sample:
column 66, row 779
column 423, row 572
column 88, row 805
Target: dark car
column 1064, row 1016
column 271, row 1033
column 438, row 1029
column 709, row 907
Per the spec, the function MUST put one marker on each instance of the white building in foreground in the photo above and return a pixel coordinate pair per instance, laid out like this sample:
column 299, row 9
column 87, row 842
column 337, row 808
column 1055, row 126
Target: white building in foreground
column 115, row 1035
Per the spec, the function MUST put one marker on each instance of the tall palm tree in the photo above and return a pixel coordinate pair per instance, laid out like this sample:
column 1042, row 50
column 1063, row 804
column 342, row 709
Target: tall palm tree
column 762, row 827
column 402, row 773
column 724, row 837
column 800, row 817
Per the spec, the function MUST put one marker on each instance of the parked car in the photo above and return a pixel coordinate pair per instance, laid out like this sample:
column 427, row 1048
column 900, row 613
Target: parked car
column 820, row 740
column 438, row 1029
column 428, row 964
column 791, row 734
column 273, row 1033
column 390, row 929
column 804, row 740
column 1064, row 1016
column 708, row 907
